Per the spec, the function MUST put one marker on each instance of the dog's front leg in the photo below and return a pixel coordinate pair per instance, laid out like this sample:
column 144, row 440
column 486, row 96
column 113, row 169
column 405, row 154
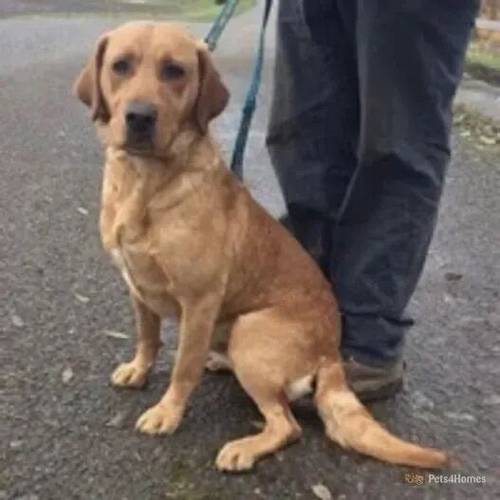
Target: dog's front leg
column 135, row 372
column 196, row 329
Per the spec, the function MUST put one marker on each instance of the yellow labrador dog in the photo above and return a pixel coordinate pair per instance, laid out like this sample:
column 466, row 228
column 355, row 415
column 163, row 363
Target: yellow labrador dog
column 192, row 244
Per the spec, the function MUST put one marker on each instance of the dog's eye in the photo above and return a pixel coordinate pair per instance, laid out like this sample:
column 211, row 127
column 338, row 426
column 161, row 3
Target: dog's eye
column 121, row 67
column 172, row 71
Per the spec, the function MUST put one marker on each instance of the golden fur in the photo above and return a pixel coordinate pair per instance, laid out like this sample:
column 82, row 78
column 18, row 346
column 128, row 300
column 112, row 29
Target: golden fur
column 193, row 244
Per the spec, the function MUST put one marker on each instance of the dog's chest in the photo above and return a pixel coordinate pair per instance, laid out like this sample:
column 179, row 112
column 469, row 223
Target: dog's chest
column 126, row 236
column 145, row 279
column 135, row 269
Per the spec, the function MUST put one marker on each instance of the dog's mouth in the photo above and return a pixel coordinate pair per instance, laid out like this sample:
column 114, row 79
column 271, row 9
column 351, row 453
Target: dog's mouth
column 140, row 148
column 145, row 148
column 139, row 151
column 149, row 152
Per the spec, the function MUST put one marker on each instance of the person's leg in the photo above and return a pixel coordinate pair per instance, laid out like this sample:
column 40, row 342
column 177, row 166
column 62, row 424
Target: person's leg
column 313, row 129
column 410, row 56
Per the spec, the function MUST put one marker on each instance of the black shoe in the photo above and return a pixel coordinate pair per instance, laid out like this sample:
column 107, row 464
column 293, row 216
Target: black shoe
column 371, row 383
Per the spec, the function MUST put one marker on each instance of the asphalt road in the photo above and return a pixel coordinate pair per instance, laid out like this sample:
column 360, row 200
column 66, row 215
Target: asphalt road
column 66, row 434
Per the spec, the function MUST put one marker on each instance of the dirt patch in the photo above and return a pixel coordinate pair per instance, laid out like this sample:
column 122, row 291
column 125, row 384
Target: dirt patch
column 483, row 72
column 476, row 128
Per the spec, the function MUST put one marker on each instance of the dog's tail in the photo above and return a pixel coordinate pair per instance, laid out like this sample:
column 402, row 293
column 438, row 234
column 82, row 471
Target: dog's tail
column 349, row 424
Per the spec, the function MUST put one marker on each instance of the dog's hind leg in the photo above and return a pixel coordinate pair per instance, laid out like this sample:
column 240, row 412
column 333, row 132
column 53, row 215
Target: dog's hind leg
column 218, row 362
column 135, row 373
column 217, row 359
column 256, row 357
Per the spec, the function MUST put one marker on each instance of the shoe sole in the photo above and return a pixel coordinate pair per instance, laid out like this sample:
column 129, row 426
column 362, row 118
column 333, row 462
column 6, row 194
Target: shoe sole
column 384, row 392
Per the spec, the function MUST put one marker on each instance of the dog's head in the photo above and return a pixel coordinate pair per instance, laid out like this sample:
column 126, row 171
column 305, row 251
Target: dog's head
column 146, row 83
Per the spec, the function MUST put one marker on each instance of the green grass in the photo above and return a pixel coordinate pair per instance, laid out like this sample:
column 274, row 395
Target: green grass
column 175, row 10
column 483, row 55
column 484, row 63
column 195, row 10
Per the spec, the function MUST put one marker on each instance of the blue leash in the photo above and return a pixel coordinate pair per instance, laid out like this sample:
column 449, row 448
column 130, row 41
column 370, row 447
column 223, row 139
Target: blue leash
column 251, row 97
column 220, row 23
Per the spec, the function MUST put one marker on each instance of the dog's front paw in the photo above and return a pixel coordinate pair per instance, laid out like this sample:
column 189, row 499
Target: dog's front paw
column 159, row 419
column 235, row 457
column 129, row 375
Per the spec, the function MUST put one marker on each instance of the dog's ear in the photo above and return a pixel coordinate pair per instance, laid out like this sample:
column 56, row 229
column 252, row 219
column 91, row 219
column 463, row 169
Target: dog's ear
column 88, row 87
column 212, row 94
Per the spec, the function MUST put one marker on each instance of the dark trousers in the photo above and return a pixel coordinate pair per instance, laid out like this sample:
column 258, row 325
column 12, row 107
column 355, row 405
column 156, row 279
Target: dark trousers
column 359, row 139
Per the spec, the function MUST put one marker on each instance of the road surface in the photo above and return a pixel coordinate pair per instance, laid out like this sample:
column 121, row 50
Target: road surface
column 66, row 434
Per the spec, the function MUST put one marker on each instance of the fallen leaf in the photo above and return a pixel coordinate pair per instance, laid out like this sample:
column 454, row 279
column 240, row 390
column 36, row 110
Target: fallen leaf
column 67, row 375
column 83, row 211
column 17, row 321
column 464, row 417
column 322, row 492
column 489, row 141
column 492, row 400
column 15, row 445
column 117, row 420
column 115, row 335
column 448, row 298
column 421, row 401
column 81, row 298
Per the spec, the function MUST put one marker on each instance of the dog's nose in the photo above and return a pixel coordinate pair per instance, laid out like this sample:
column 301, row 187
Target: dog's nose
column 141, row 118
